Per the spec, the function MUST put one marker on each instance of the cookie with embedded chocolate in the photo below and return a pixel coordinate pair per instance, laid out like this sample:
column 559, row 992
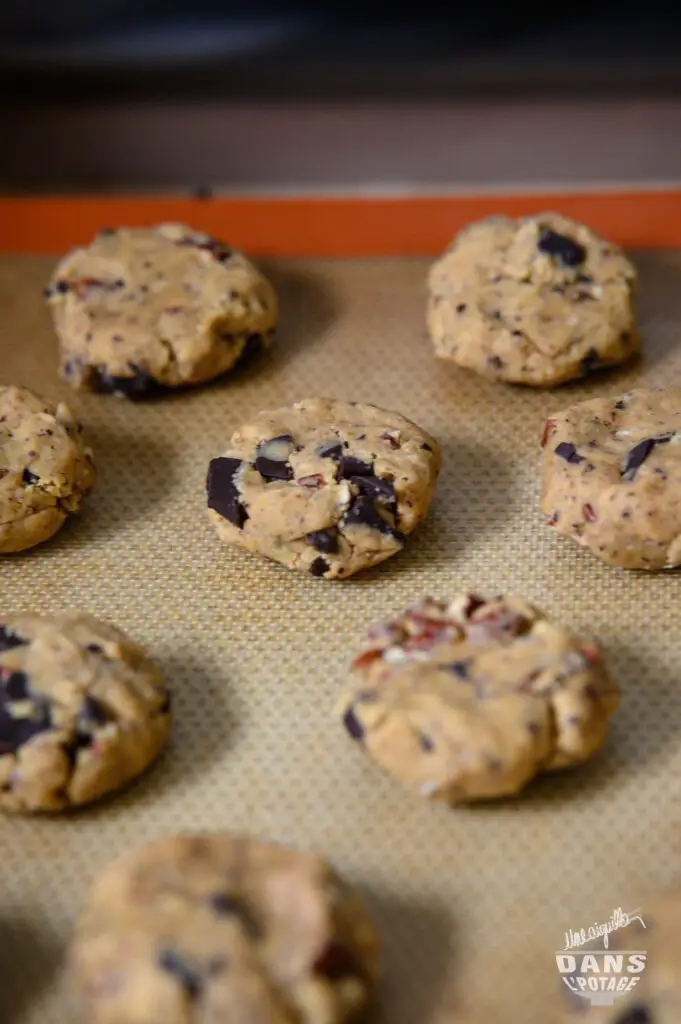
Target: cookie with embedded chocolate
column 46, row 469
column 223, row 929
column 612, row 477
column 141, row 310
column 323, row 486
column 471, row 699
column 82, row 711
column 538, row 301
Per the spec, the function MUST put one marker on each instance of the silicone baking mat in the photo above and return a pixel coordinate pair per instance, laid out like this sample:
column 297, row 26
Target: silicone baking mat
column 470, row 903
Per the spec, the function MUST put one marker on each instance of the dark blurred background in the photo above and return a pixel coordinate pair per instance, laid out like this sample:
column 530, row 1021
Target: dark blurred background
column 270, row 96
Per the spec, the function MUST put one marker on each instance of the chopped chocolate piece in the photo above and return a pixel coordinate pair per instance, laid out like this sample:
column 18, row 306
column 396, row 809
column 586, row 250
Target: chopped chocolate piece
column 426, row 447
column 495, row 362
column 232, row 906
column 495, row 314
column 590, row 361
column 376, row 488
column 8, row 640
column 459, row 668
column 94, row 649
column 330, row 450
column 223, row 494
column 637, row 1014
column 271, row 458
column 363, row 512
column 188, row 977
column 139, row 384
column 351, row 466
column 62, row 287
column 337, row 961
column 319, row 567
column 15, row 732
column 426, row 742
column 325, row 541
column 563, row 249
column 353, row 725
column 93, row 713
column 16, row 686
column 474, row 602
column 567, row 451
column 29, row 478
column 461, row 308
column 638, row 455
column 620, row 405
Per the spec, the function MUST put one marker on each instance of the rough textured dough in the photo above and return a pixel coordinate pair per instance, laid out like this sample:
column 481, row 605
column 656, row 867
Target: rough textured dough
column 612, row 477
column 324, row 486
column 45, row 468
column 656, row 997
column 470, row 700
column 82, row 711
column 143, row 309
column 224, row 930
column 536, row 301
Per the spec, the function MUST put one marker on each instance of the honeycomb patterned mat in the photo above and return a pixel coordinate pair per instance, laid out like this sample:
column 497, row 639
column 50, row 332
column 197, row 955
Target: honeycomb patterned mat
column 472, row 903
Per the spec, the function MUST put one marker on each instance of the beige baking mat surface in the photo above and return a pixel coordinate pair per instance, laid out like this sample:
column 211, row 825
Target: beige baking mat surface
column 471, row 904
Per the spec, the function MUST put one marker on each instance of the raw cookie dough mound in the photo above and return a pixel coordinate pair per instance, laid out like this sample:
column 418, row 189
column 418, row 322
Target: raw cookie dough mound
column 324, row 486
column 227, row 930
column 655, row 998
column 45, row 468
column 612, row 477
column 82, row 711
column 141, row 310
column 470, row 700
column 536, row 301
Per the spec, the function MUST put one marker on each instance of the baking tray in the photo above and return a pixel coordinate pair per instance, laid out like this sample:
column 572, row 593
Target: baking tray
column 470, row 903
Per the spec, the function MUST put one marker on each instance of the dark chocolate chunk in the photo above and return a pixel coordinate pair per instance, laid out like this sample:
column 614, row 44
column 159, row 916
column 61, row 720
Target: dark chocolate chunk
column 188, row 977
column 29, row 478
column 590, row 361
column 351, row 466
column 223, row 494
column 620, row 405
column 495, row 314
column 331, row 450
column 94, row 649
column 426, row 742
column 376, row 488
column 273, row 469
column 16, row 686
column 563, row 249
column 459, row 668
column 495, row 362
column 638, row 455
column 232, row 906
column 93, row 713
column 62, row 287
column 637, row 1014
column 14, row 732
column 461, row 308
column 8, row 640
column 325, row 541
column 253, row 346
column 567, row 451
column 353, row 725
column 138, row 384
column 337, row 961
column 426, row 447
column 363, row 512
column 319, row 567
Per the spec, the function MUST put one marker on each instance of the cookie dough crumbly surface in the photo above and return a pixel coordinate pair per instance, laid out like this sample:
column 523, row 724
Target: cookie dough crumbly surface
column 144, row 309
column 536, row 301
column 470, row 700
column 82, row 711
column 612, row 477
column 45, row 468
column 324, row 486
column 223, row 929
